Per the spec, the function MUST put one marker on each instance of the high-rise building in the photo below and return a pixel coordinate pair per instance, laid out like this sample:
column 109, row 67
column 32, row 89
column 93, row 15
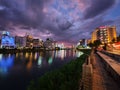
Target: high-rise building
column 7, row 41
column 94, row 35
column 29, row 41
column 88, row 41
column 105, row 34
column 41, row 42
column 112, row 34
column 102, row 34
column 20, row 41
column 83, row 42
column 48, row 43
column 36, row 43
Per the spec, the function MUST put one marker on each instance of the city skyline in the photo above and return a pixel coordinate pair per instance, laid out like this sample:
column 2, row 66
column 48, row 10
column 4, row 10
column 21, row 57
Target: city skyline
column 62, row 20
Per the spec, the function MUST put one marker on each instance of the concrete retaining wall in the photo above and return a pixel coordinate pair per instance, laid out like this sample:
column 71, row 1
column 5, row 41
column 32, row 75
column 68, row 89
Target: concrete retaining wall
column 112, row 55
column 87, row 75
column 112, row 67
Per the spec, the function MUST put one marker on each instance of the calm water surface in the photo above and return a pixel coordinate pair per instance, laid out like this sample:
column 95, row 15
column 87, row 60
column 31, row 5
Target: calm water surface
column 16, row 70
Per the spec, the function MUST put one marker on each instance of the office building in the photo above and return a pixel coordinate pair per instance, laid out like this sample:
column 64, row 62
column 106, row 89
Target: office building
column 20, row 41
column 94, row 35
column 83, row 42
column 48, row 43
column 7, row 41
column 29, row 41
column 105, row 34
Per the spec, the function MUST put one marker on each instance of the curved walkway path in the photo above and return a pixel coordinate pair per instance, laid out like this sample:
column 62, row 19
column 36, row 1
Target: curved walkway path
column 102, row 80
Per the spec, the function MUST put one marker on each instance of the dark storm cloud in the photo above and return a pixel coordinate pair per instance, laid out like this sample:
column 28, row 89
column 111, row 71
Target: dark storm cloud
column 97, row 7
column 65, row 25
column 43, row 19
column 34, row 10
column 98, row 21
column 12, row 12
column 9, row 13
column 89, row 26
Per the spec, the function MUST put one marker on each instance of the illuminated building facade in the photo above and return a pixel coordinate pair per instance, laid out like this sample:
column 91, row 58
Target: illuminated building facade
column 59, row 46
column 20, row 41
column 88, row 41
column 36, row 43
column 41, row 43
column 112, row 34
column 83, row 42
column 105, row 34
column 94, row 35
column 29, row 41
column 7, row 41
column 48, row 43
column 102, row 34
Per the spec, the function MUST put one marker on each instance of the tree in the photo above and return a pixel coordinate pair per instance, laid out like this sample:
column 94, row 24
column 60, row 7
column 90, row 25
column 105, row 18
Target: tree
column 91, row 44
column 118, row 38
column 113, row 40
column 97, row 43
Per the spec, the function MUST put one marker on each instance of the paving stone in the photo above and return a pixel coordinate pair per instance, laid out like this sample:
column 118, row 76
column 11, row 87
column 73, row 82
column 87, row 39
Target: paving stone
column 101, row 79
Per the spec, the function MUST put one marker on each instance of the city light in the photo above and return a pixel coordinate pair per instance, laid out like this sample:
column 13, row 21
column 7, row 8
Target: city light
column 50, row 60
column 39, row 61
column 59, row 44
column 6, row 63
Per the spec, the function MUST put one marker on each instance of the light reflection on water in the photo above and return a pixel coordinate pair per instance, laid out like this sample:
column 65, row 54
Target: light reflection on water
column 78, row 54
column 6, row 61
column 29, row 64
column 39, row 61
column 31, row 61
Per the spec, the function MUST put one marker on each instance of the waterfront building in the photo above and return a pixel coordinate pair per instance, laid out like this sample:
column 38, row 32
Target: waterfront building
column 83, row 42
column 60, row 45
column 102, row 34
column 48, row 43
column 94, row 35
column 7, row 41
column 41, row 42
column 36, row 43
column 112, row 35
column 20, row 41
column 54, row 44
column 88, row 41
column 105, row 34
column 29, row 41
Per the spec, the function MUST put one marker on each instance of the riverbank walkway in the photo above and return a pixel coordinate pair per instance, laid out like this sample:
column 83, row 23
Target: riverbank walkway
column 101, row 79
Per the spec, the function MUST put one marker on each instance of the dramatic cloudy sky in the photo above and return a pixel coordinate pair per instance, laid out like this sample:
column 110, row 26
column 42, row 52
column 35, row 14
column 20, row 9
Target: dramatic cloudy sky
column 62, row 20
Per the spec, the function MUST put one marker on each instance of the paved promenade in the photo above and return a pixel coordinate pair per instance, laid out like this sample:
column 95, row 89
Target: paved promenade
column 113, row 63
column 101, row 79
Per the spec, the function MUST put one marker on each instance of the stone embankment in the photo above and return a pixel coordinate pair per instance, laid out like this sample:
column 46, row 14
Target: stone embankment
column 111, row 65
column 100, row 72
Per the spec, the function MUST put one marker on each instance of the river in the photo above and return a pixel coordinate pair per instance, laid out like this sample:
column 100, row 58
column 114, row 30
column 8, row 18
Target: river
column 17, row 70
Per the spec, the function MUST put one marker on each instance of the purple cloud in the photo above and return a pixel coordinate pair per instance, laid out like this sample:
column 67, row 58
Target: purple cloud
column 97, row 7
column 62, row 20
